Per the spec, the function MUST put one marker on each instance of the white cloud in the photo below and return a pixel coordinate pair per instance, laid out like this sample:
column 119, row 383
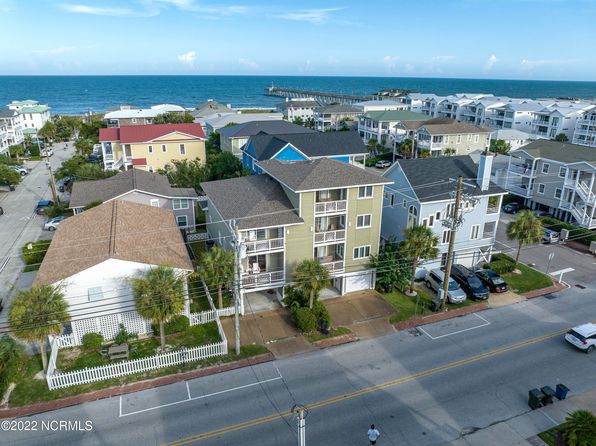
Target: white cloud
column 247, row 63
column 314, row 16
column 192, row 6
column 390, row 62
column 188, row 58
column 490, row 63
column 96, row 10
column 152, row 8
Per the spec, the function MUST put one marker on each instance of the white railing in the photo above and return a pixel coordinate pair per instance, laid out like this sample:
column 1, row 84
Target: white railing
column 201, row 318
column 338, row 265
column 330, row 236
column 327, row 207
column 522, row 170
column 68, row 340
column 583, row 218
column 518, row 190
column 565, row 205
column 254, row 280
column 265, row 245
column 585, row 193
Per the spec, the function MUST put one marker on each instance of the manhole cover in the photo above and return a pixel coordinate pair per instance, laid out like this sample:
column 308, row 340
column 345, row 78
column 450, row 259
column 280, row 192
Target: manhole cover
column 581, row 287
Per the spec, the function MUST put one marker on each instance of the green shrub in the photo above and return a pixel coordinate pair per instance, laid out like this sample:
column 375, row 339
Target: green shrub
column 582, row 235
column 321, row 313
column 123, row 336
column 175, row 325
column 11, row 362
column 502, row 257
column 33, row 150
column 295, row 298
column 92, row 341
column 500, row 266
column 304, row 319
column 57, row 210
column 38, row 250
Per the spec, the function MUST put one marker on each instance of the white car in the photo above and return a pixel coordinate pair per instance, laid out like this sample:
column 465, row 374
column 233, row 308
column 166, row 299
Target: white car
column 52, row 225
column 47, row 152
column 582, row 337
column 382, row 164
column 20, row 169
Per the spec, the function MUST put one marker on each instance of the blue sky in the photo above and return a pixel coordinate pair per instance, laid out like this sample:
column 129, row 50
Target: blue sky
column 501, row 39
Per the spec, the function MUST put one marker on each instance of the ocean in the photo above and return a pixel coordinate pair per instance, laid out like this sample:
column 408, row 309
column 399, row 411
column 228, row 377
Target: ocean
column 79, row 94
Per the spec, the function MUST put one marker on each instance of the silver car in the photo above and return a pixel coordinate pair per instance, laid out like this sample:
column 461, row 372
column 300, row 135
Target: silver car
column 434, row 281
column 52, row 225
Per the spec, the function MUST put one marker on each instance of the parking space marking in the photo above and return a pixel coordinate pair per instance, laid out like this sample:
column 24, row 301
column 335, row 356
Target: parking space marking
column 458, row 331
column 191, row 398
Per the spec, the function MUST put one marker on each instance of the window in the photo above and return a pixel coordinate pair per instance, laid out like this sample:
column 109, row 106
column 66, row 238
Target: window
column 558, row 193
column 444, row 259
column 412, row 216
column 438, row 216
column 404, row 203
column 431, row 220
column 154, row 202
column 134, row 120
column 541, row 188
column 446, row 236
column 475, row 232
column 149, row 168
column 182, row 149
column 562, row 172
column 450, row 210
column 180, row 203
column 150, row 149
column 469, row 137
column 446, row 139
column 476, row 138
column 365, row 192
column 361, row 252
column 182, row 220
column 95, row 294
column 458, row 139
column 545, row 168
column 424, row 222
column 164, row 148
column 363, row 221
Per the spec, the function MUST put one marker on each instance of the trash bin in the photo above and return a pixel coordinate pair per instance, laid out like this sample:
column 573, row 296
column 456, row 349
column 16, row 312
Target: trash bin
column 535, row 398
column 561, row 392
column 549, row 393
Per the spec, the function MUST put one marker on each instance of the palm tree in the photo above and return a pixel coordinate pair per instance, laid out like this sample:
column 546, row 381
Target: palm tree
column 449, row 152
column 526, row 229
column 38, row 313
column 311, row 278
column 217, row 267
column 48, row 131
column 159, row 296
column 580, row 428
column 419, row 244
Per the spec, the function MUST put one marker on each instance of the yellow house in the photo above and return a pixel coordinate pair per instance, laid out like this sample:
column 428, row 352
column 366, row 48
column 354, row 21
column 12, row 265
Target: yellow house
column 151, row 147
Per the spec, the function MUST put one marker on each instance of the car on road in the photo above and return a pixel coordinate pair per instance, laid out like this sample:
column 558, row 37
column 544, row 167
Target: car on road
column 469, row 282
column 434, row 280
column 511, row 208
column 582, row 337
column 42, row 205
column 492, row 280
column 382, row 164
column 47, row 152
column 52, row 225
column 94, row 159
column 550, row 236
column 63, row 183
column 20, row 169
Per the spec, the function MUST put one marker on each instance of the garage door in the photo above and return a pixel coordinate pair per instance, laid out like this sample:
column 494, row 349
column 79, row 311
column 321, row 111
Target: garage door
column 358, row 282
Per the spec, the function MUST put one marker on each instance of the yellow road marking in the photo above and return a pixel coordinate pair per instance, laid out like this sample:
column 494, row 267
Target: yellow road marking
column 366, row 390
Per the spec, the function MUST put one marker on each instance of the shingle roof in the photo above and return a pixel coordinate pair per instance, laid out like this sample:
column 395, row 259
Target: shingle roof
column 322, row 173
column 84, row 192
column 254, row 201
column 314, row 144
column 395, row 115
column 144, row 133
column 424, row 175
column 443, row 126
column 115, row 230
column 559, row 151
column 338, row 108
column 298, row 103
column 209, row 108
column 7, row 113
column 151, row 112
column 218, row 122
column 269, row 127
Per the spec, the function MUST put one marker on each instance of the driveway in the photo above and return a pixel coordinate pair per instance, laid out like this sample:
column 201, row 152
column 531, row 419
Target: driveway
column 584, row 265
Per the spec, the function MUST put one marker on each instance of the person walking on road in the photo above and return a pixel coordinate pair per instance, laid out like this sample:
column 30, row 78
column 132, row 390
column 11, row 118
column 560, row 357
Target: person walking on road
column 373, row 434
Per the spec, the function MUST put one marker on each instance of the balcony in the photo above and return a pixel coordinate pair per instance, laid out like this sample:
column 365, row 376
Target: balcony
column 331, row 207
column 265, row 245
column 335, row 266
column 523, row 170
column 584, row 192
column 330, row 236
column 521, row 190
column 262, row 279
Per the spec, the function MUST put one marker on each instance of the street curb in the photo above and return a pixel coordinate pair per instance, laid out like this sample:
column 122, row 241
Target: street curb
column 423, row 320
column 335, row 341
column 544, row 291
column 133, row 387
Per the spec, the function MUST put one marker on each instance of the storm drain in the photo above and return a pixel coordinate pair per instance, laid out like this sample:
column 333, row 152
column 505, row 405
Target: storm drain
column 581, row 287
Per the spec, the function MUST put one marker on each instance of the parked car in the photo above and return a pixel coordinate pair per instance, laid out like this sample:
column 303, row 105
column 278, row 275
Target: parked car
column 492, row 280
column 42, row 205
column 64, row 183
column 20, row 169
column 582, row 337
column 1, row 211
column 382, row 164
column 511, row 208
column 52, row 225
column 550, row 236
column 434, row 281
column 538, row 213
column 94, row 159
column 469, row 282
column 97, row 149
column 47, row 152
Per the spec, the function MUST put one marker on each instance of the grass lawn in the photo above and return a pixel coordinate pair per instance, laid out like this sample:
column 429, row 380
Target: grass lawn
column 318, row 336
column 198, row 248
column 528, row 280
column 199, row 301
column 549, row 436
column 406, row 307
column 30, row 390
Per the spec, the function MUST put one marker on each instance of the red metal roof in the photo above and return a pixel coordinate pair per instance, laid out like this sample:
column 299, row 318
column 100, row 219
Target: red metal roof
column 139, row 161
column 143, row 133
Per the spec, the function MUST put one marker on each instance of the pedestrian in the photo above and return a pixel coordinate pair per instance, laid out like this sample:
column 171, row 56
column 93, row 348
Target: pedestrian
column 373, row 434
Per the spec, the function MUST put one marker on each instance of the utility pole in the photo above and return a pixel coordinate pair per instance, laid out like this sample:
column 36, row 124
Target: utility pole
column 52, row 181
column 301, row 413
column 237, row 291
column 452, row 232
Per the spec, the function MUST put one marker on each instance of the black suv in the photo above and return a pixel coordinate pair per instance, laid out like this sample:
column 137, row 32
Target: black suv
column 469, row 282
column 42, row 205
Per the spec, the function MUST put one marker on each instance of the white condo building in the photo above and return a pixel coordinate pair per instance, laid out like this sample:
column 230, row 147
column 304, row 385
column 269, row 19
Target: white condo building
column 33, row 115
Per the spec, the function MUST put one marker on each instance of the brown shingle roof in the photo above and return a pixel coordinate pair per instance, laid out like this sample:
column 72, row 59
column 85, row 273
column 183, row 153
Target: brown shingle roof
column 114, row 230
column 445, row 126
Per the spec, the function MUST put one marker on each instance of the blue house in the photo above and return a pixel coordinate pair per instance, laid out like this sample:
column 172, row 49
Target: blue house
column 346, row 147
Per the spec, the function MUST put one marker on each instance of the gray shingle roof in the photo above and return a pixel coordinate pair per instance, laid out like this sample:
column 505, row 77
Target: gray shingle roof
column 84, row 192
column 338, row 108
column 255, row 201
column 322, row 173
column 298, row 103
column 314, row 144
column 423, row 172
column 269, row 127
column 559, row 151
column 443, row 126
column 7, row 113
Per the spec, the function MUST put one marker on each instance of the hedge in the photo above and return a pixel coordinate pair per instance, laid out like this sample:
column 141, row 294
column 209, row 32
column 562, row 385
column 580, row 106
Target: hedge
column 38, row 250
column 305, row 319
column 581, row 235
column 501, row 264
column 92, row 341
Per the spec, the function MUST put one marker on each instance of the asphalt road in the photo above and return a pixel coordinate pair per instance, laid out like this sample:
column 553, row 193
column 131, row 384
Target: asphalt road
column 20, row 224
column 419, row 387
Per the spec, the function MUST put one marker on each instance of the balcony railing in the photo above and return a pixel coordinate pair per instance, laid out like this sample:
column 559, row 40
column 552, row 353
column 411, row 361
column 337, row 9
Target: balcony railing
column 330, row 236
column 566, row 205
column 522, row 170
column 336, row 266
column 255, row 280
column 583, row 219
column 265, row 245
column 330, row 207
column 492, row 210
column 519, row 190
column 585, row 193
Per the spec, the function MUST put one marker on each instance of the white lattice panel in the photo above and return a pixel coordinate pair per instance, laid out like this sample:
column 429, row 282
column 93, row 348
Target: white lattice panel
column 135, row 323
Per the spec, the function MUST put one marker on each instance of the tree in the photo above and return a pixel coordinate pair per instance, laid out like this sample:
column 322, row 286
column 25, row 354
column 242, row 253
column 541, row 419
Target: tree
column 561, row 137
column 311, row 277
column 48, row 131
column 405, row 148
column 67, row 126
column 298, row 120
column 580, row 428
column 90, row 129
column 309, row 123
column 187, row 173
column 173, row 118
column 9, row 176
column 11, row 361
column 159, row 296
column 391, row 266
column 217, row 268
column 16, row 151
column 89, row 171
column 213, row 144
column 419, row 245
column 526, row 229
column 499, row 146
column 224, row 165
column 84, row 146
column 371, row 145
column 70, row 167
column 38, row 313
column 424, row 153
column 449, row 151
